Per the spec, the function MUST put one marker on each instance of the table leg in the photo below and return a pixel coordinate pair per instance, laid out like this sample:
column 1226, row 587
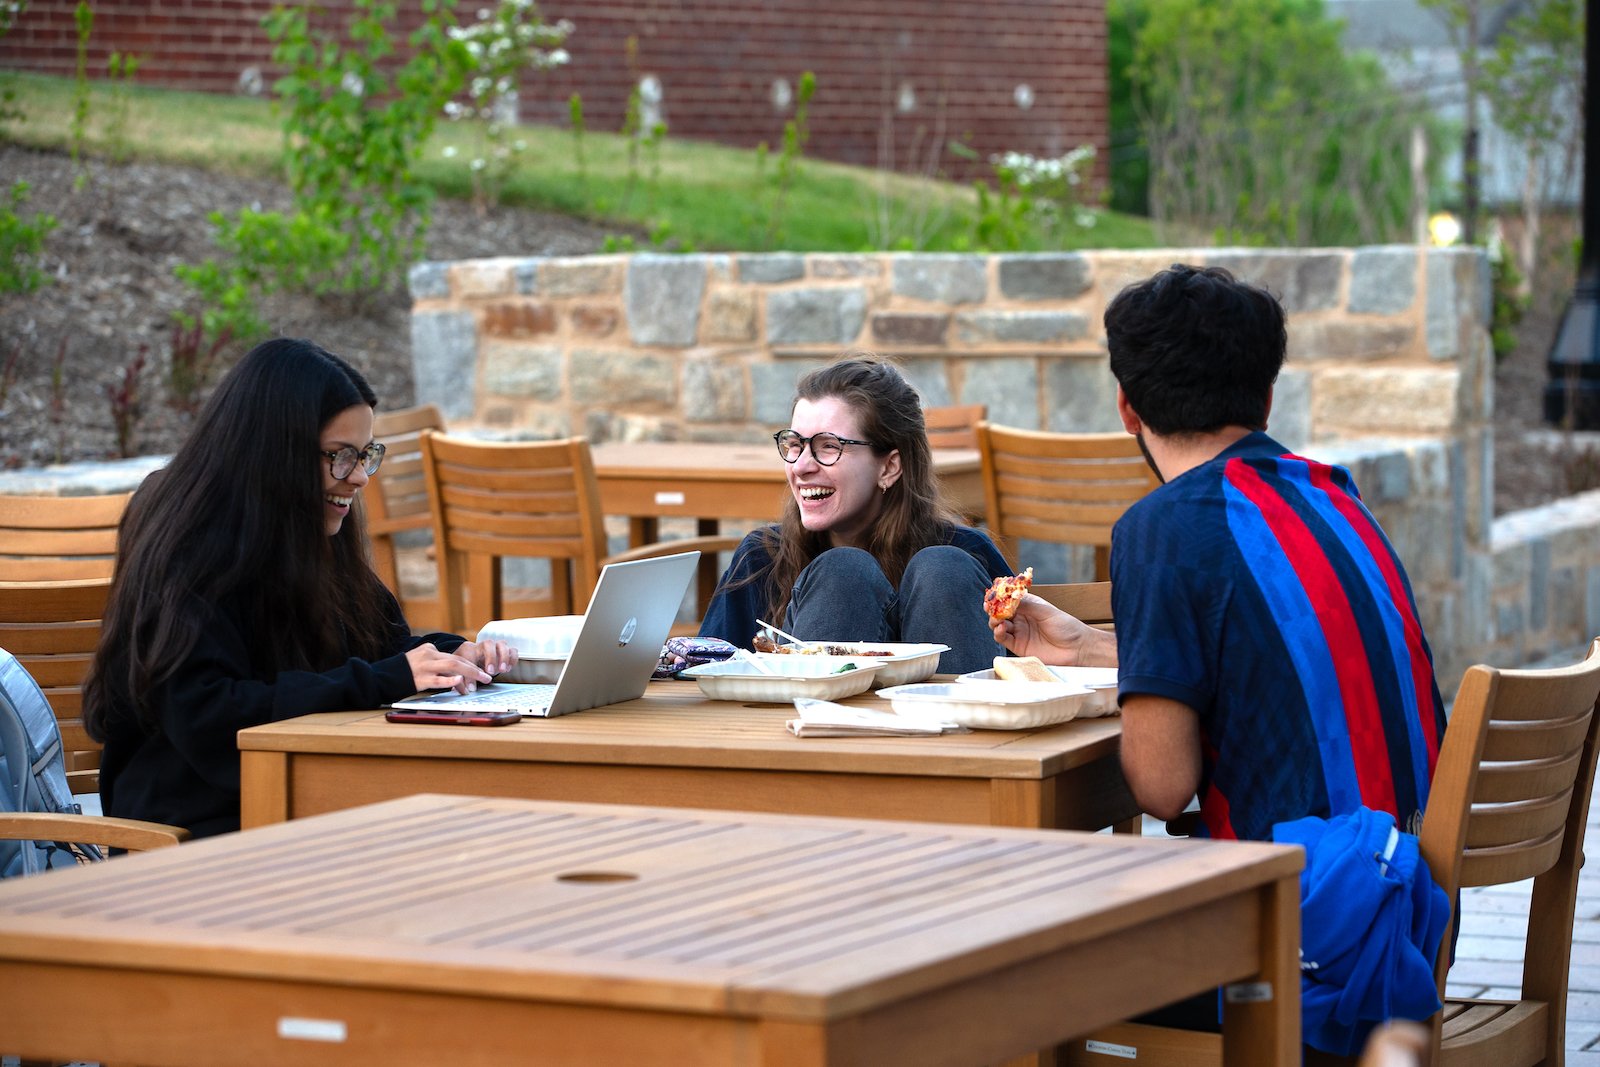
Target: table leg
column 265, row 796
column 643, row 530
column 1261, row 1016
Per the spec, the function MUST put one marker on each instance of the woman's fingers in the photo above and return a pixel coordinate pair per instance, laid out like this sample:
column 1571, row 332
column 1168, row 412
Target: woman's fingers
column 496, row 657
column 432, row 669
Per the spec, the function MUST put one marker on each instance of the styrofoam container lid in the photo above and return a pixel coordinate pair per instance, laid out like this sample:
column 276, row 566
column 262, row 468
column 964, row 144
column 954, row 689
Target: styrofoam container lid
column 549, row 637
column 990, row 705
column 818, row 677
column 1101, row 681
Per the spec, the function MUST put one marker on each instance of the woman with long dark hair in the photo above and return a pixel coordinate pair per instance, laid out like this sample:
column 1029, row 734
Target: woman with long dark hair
column 866, row 550
column 243, row 593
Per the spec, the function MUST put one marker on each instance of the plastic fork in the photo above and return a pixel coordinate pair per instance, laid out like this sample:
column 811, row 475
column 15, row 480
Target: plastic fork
column 791, row 638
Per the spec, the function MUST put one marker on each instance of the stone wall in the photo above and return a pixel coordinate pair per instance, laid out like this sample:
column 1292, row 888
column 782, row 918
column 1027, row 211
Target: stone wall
column 1389, row 372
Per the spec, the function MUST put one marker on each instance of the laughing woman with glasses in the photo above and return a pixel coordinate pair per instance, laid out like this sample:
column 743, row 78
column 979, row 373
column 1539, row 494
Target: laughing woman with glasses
column 866, row 551
column 243, row 594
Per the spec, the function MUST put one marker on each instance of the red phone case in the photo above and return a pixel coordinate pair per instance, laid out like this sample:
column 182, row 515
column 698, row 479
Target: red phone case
column 462, row 718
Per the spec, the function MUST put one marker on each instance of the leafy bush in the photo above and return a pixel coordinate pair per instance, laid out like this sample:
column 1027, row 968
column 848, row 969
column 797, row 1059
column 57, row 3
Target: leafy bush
column 354, row 128
column 1034, row 201
column 21, row 241
column 1257, row 126
column 501, row 45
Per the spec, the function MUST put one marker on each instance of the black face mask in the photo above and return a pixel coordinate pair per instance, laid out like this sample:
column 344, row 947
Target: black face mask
column 1148, row 458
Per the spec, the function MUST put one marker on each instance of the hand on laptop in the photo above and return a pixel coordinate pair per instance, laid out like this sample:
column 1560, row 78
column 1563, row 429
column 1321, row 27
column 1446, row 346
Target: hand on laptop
column 496, row 657
column 432, row 669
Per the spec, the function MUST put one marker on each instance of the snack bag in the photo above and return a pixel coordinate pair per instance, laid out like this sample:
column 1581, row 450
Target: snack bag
column 681, row 653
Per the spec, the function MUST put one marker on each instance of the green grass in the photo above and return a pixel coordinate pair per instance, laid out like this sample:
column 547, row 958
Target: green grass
column 697, row 195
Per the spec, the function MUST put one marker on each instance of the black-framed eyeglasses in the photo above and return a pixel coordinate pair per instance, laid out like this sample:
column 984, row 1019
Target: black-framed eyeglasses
column 826, row 448
column 342, row 462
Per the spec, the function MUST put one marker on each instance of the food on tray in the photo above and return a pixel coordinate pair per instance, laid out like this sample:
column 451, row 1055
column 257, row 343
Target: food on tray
column 1000, row 600
column 1022, row 669
column 763, row 643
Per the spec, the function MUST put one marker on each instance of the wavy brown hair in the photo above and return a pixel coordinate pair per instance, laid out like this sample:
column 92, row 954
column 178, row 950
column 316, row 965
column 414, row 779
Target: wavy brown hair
column 236, row 518
column 914, row 516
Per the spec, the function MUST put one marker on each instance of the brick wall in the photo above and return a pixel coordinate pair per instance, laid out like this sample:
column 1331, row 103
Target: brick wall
column 960, row 65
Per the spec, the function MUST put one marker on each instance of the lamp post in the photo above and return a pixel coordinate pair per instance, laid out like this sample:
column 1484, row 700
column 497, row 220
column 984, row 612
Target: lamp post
column 1572, row 394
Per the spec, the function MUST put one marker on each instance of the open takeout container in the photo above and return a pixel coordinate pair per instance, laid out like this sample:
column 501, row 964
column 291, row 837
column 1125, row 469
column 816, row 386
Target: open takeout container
column 818, row 677
column 543, row 645
column 902, row 662
column 1101, row 680
column 990, row 705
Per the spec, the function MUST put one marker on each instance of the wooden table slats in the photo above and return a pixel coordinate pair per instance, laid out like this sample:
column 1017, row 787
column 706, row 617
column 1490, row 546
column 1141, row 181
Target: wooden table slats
column 889, row 932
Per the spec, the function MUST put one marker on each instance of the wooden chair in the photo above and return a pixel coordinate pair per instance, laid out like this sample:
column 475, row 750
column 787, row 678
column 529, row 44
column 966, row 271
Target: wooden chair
column 1089, row 601
column 538, row 500
column 1510, row 801
column 955, row 426
column 67, row 828
column 52, row 628
column 1067, row 488
column 493, row 500
column 55, row 538
column 396, row 500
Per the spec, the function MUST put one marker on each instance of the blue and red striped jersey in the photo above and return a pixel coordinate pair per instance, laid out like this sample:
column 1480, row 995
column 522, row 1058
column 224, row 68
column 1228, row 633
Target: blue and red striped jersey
column 1259, row 590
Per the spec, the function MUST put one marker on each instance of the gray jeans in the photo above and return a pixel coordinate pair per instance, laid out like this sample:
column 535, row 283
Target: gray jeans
column 843, row 595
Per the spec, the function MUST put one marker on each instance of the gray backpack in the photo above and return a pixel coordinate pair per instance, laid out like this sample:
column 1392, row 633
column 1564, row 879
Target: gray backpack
column 33, row 773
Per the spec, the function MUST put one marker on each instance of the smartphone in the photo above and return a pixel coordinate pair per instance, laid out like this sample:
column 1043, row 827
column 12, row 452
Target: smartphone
column 455, row 718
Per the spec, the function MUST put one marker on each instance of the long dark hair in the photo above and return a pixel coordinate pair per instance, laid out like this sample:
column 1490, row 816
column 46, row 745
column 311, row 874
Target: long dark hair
column 913, row 515
column 237, row 518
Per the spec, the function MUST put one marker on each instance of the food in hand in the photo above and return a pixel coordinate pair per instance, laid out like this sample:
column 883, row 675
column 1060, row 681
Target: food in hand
column 1000, row 600
column 1022, row 669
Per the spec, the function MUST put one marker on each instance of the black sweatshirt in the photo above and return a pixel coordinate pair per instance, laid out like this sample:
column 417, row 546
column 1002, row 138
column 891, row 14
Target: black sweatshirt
column 187, row 773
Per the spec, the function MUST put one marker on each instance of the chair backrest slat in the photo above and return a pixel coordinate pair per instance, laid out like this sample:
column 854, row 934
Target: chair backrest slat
column 1088, row 601
column 492, row 500
column 53, row 628
column 1059, row 487
column 396, row 499
column 954, row 426
column 56, row 538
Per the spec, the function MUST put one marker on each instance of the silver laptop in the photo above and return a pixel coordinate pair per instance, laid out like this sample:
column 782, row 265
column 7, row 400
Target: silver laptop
column 618, row 646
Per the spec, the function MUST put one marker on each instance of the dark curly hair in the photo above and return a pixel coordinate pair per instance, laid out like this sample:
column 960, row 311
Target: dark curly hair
column 1196, row 350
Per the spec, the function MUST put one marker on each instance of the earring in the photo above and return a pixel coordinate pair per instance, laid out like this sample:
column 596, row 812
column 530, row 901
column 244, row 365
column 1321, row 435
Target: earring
column 883, row 487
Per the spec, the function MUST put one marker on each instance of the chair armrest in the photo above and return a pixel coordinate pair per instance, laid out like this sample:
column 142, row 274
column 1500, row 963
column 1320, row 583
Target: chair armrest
column 708, row 544
column 131, row 834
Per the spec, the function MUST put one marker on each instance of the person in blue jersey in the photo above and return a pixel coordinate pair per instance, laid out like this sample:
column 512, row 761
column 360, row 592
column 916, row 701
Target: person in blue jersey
column 1268, row 649
column 866, row 549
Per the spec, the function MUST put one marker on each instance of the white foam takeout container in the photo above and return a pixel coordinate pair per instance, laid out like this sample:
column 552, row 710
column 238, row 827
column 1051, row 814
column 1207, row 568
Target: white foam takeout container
column 796, row 676
column 990, row 705
column 906, row 662
column 1101, row 680
column 542, row 645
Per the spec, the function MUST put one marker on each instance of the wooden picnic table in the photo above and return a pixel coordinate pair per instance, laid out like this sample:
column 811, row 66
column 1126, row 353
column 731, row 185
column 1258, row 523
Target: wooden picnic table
column 445, row 929
column 676, row 748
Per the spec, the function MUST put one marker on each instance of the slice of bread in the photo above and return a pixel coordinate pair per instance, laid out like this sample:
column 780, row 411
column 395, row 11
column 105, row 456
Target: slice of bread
column 1022, row 669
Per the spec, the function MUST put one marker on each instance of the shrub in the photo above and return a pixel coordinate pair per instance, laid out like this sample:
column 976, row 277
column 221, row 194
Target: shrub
column 501, row 45
column 21, row 241
column 354, row 128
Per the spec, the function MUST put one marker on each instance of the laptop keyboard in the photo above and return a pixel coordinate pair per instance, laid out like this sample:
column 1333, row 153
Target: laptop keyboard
column 533, row 696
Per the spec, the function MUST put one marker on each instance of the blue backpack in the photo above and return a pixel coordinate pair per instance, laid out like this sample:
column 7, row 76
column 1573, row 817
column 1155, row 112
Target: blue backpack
column 33, row 772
